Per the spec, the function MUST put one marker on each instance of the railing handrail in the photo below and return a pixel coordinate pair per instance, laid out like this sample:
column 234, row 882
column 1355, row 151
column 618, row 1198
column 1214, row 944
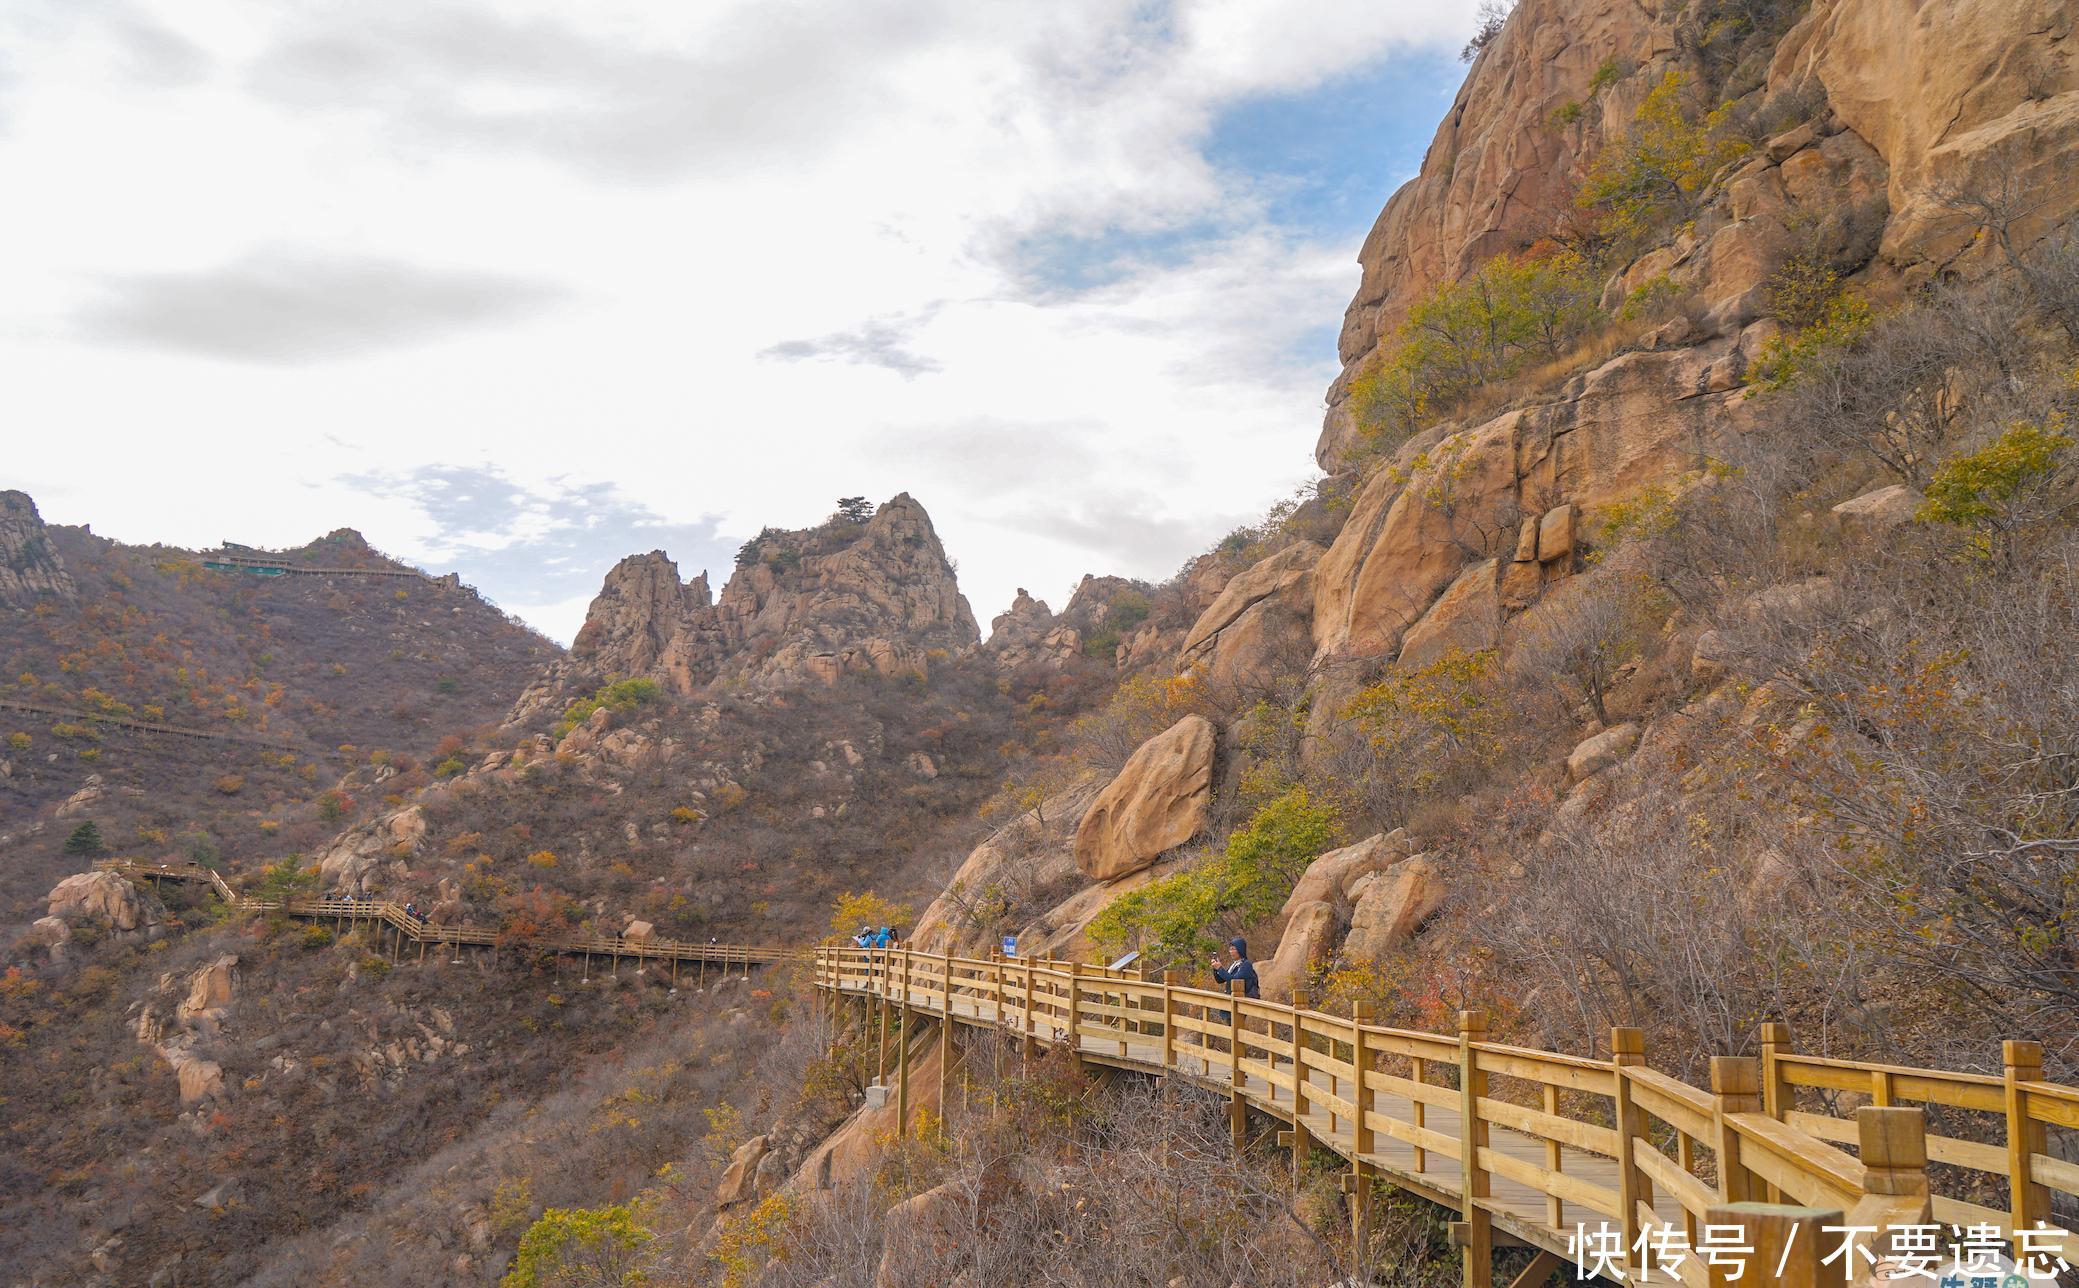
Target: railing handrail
column 1748, row 1122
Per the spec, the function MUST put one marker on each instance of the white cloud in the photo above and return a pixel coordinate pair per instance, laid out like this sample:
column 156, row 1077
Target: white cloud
column 734, row 259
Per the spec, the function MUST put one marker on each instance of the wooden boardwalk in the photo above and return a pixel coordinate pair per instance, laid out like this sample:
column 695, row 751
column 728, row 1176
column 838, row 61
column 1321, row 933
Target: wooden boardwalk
column 1529, row 1146
column 402, row 926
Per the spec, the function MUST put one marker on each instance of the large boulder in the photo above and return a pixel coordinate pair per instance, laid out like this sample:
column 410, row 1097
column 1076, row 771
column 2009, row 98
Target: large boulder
column 1393, row 907
column 105, row 898
column 199, row 1079
column 1029, row 853
column 923, row 1231
column 1963, row 95
column 1309, row 937
column 1334, row 877
column 1595, row 754
column 1157, row 802
column 1239, row 635
column 736, row 1184
column 90, row 794
column 1881, row 510
column 355, row 857
column 211, row 990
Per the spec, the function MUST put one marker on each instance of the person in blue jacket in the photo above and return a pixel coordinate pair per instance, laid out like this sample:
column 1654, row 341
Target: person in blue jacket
column 1241, row 968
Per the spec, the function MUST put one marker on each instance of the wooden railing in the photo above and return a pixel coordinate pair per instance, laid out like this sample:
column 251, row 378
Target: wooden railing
column 418, row 929
column 1532, row 1146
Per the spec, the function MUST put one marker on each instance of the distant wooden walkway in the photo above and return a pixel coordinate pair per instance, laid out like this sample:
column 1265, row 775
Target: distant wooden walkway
column 402, row 926
column 1523, row 1144
column 265, row 567
column 147, row 726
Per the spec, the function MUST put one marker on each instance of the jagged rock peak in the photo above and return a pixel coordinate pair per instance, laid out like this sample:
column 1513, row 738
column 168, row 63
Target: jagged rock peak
column 636, row 614
column 856, row 593
column 29, row 563
column 1025, row 615
column 848, row 595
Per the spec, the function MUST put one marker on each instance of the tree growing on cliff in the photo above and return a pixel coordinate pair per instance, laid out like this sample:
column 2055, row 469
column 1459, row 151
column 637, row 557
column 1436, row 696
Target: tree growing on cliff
column 85, row 841
column 1653, row 175
column 854, row 509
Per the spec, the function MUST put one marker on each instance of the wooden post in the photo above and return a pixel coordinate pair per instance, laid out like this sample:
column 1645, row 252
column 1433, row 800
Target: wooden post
column 1300, row 1143
column 1169, row 1021
column 1736, row 1089
column 1419, row 1112
column 2028, row 1203
column 902, row 1053
column 1075, row 1002
column 1627, row 1050
column 1361, row 1142
column 879, row 1002
column 1554, row 1157
column 945, row 1066
column 1237, row 1108
column 1892, row 1142
column 1789, row 1246
column 1778, row 1097
column 1031, row 1042
column 1478, row 1242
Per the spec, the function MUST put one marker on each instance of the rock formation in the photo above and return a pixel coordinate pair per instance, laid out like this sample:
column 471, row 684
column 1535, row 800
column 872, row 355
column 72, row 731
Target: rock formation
column 875, row 597
column 106, row 899
column 1900, row 111
column 350, row 862
column 1158, row 801
column 29, row 567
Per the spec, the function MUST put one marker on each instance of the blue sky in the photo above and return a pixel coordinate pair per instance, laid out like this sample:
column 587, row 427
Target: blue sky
column 517, row 287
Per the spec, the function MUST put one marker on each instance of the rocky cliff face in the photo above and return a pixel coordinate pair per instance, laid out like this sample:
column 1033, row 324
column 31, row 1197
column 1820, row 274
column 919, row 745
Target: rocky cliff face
column 1902, row 110
column 867, row 596
column 29, row 565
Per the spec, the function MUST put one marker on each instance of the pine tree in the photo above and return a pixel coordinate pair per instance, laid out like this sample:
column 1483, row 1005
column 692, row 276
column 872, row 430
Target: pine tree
column 86, row 840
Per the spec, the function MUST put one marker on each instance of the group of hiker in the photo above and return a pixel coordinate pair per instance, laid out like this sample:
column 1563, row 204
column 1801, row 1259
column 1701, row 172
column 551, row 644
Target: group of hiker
column 1237, row 968
column 885, row 937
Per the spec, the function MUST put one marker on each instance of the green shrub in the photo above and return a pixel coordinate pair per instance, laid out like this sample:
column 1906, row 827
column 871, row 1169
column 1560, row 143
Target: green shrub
column 614, row 695
column 572, row 1246
column 1990, row 492
column 1187, row 914
column 1517, row 309
column 1842, row 322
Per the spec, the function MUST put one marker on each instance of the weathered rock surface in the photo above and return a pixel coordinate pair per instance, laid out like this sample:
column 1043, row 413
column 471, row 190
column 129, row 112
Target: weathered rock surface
column 1034, row 851
column 1274, row 595
column 1595, row 754
column 1899, row 110
column 1393, row 907
column 1468, row 617
column 1498, row 173
column 736, row 1183
column 1881, row 510
column 211, row 990
column 106, row 899
column 1951, row 96
column 356, row 857
column 1334, row 877
column 29, row 565
column 1027, row 634
column 871, row 597
column 90, row 794
column 1309, row 938
column 1158, row 801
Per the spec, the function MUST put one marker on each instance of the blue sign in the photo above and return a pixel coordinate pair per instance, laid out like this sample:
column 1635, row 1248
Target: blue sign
column 1010, row 945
